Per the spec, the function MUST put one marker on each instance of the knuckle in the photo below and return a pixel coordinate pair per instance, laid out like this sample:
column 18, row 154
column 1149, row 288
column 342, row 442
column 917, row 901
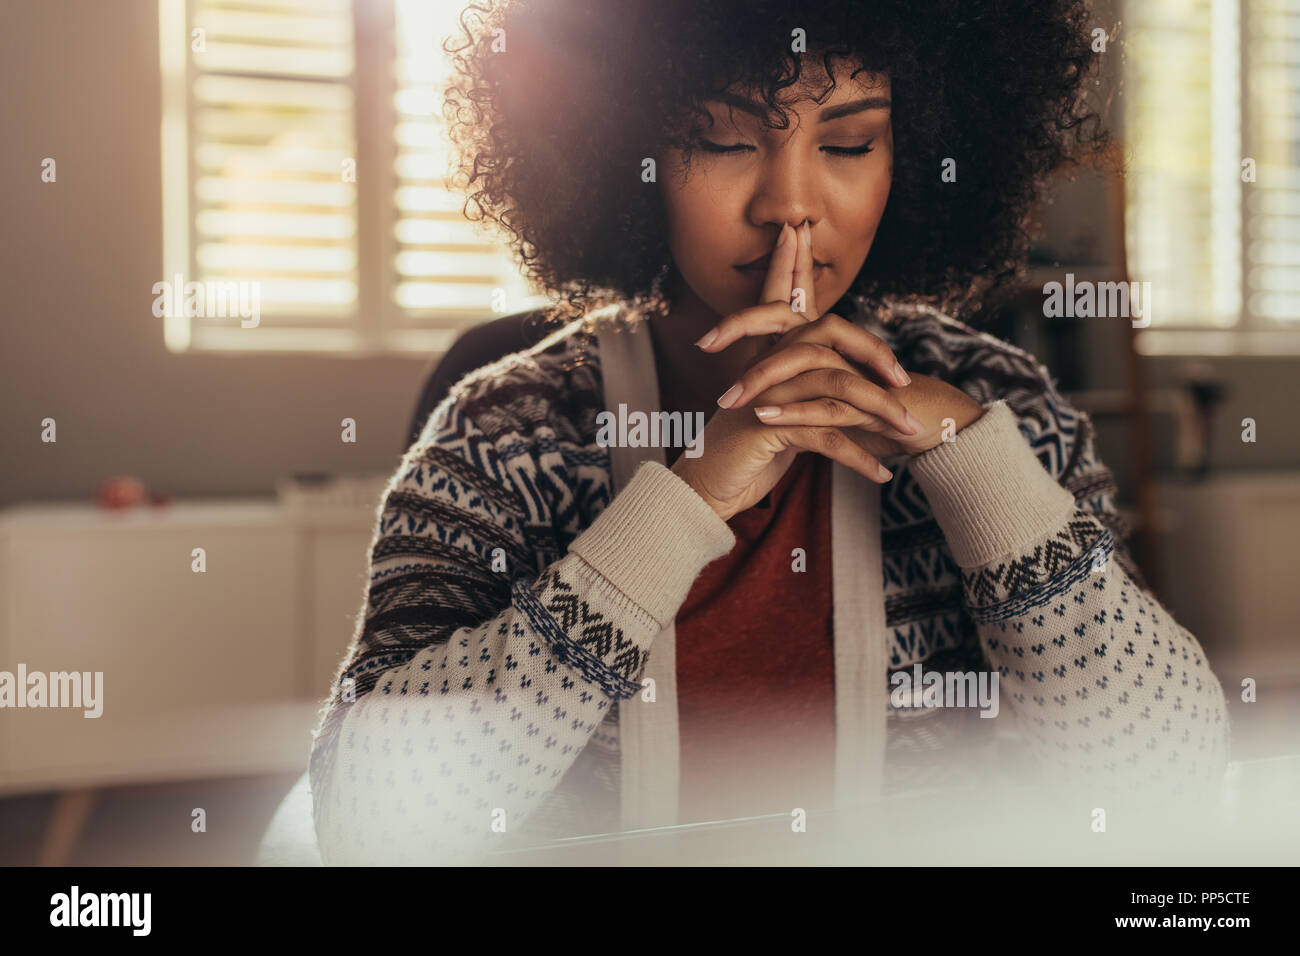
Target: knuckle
column 831, row 439
column 809, row 351
column 833, row 408
column 740, row 317
column 772, row 315
column 795, row 331
column 840, row 383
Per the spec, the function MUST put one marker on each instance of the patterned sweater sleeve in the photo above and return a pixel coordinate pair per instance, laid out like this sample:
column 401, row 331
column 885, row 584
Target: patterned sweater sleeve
column 1108, row 690
column 468, row 691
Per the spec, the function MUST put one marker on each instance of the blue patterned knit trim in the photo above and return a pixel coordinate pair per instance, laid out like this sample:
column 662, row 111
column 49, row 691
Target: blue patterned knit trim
column 1020, row 606
column 398, row 570
column 384, row 661
column 581, row 456
column 531, row 448
column 566, row 651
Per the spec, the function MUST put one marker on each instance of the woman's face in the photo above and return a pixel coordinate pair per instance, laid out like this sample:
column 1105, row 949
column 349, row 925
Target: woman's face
column 831, row 167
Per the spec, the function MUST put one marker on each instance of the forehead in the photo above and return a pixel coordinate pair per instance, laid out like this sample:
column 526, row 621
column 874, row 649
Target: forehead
column 814, row 90
column 812, row 96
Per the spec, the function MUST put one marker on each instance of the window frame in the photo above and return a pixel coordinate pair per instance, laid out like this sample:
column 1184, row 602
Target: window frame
column 379, row 326
column 1248, row 334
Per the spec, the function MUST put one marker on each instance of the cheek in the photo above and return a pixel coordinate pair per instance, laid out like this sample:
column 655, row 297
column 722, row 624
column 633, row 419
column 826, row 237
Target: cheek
column 696, row 226
column 863, row 209
column 702, row 246
column 857, row 220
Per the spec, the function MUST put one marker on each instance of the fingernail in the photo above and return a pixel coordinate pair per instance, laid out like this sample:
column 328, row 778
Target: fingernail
column 917, row 427
column 901, row 375
column 807, row 233
column 707, row 339
column 729, row 397
column 784, row 239
column 767, row 412
column 885, row 473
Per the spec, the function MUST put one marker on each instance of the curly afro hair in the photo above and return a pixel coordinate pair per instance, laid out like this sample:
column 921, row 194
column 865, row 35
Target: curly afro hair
column 555, row 104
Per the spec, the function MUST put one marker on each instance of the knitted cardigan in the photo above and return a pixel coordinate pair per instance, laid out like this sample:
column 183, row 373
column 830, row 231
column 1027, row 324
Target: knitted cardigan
column 524, row 579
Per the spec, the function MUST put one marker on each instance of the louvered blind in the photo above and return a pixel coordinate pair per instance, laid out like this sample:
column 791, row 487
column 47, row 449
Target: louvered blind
column 1208, row 85
column 1183, row 186
column 272, row 199
column 1273, row 140
column 262, row 181
column 445, row 270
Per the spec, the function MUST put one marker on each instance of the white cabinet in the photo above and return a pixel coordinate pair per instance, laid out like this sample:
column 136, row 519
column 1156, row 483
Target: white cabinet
column 1230, row 547
column 204, row 674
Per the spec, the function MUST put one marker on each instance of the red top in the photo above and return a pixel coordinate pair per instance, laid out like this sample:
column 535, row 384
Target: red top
column 755, row 669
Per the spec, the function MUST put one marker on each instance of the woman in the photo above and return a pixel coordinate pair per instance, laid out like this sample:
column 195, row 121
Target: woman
column 572, row 628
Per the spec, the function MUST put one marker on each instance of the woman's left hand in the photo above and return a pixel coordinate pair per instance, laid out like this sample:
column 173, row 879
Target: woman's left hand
column 818, row 359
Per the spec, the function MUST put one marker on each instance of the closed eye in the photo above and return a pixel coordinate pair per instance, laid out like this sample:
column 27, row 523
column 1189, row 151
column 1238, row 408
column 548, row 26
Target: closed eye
column 850, row 150
column 711, row 147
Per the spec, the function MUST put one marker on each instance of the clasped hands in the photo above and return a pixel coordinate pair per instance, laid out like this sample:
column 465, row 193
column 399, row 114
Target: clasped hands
column 816, row 372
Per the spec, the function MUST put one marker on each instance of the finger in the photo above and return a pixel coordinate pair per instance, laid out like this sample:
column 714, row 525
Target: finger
column 835, row 444
column 779, row 367
column 839, row 379
column 852, row 340
column 767, row 319
column 824, row 411
column 780, row 270
column 822, row 392
column 875, row 443
column 803, row 295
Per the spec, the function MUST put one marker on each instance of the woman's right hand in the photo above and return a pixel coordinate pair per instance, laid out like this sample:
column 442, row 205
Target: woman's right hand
column 743, row 458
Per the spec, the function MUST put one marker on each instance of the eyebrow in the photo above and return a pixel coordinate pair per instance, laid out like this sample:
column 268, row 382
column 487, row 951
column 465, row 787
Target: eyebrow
column 829, row 113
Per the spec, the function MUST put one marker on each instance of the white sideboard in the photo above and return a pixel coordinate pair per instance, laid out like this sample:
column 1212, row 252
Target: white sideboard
column 1230, row 547
column 204, row 674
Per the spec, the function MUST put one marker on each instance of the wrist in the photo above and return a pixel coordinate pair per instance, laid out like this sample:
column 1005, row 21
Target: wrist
column 951, row 423
column 989, row 493
column 683, row 472
column 651, row 541
column 972, row 411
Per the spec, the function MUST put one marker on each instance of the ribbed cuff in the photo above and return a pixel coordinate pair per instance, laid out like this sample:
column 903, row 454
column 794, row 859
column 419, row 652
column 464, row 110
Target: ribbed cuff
column 988, row 492
column 653, row 540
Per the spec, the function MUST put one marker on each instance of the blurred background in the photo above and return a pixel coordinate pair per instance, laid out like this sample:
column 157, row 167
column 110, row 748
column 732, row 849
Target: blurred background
column 298, row 144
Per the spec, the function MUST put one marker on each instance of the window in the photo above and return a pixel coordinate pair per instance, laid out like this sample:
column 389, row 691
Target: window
column 303, row 163
column 1213, row 193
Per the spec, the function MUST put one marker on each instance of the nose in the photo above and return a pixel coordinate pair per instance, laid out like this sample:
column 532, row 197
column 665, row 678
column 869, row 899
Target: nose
column 784, row 192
